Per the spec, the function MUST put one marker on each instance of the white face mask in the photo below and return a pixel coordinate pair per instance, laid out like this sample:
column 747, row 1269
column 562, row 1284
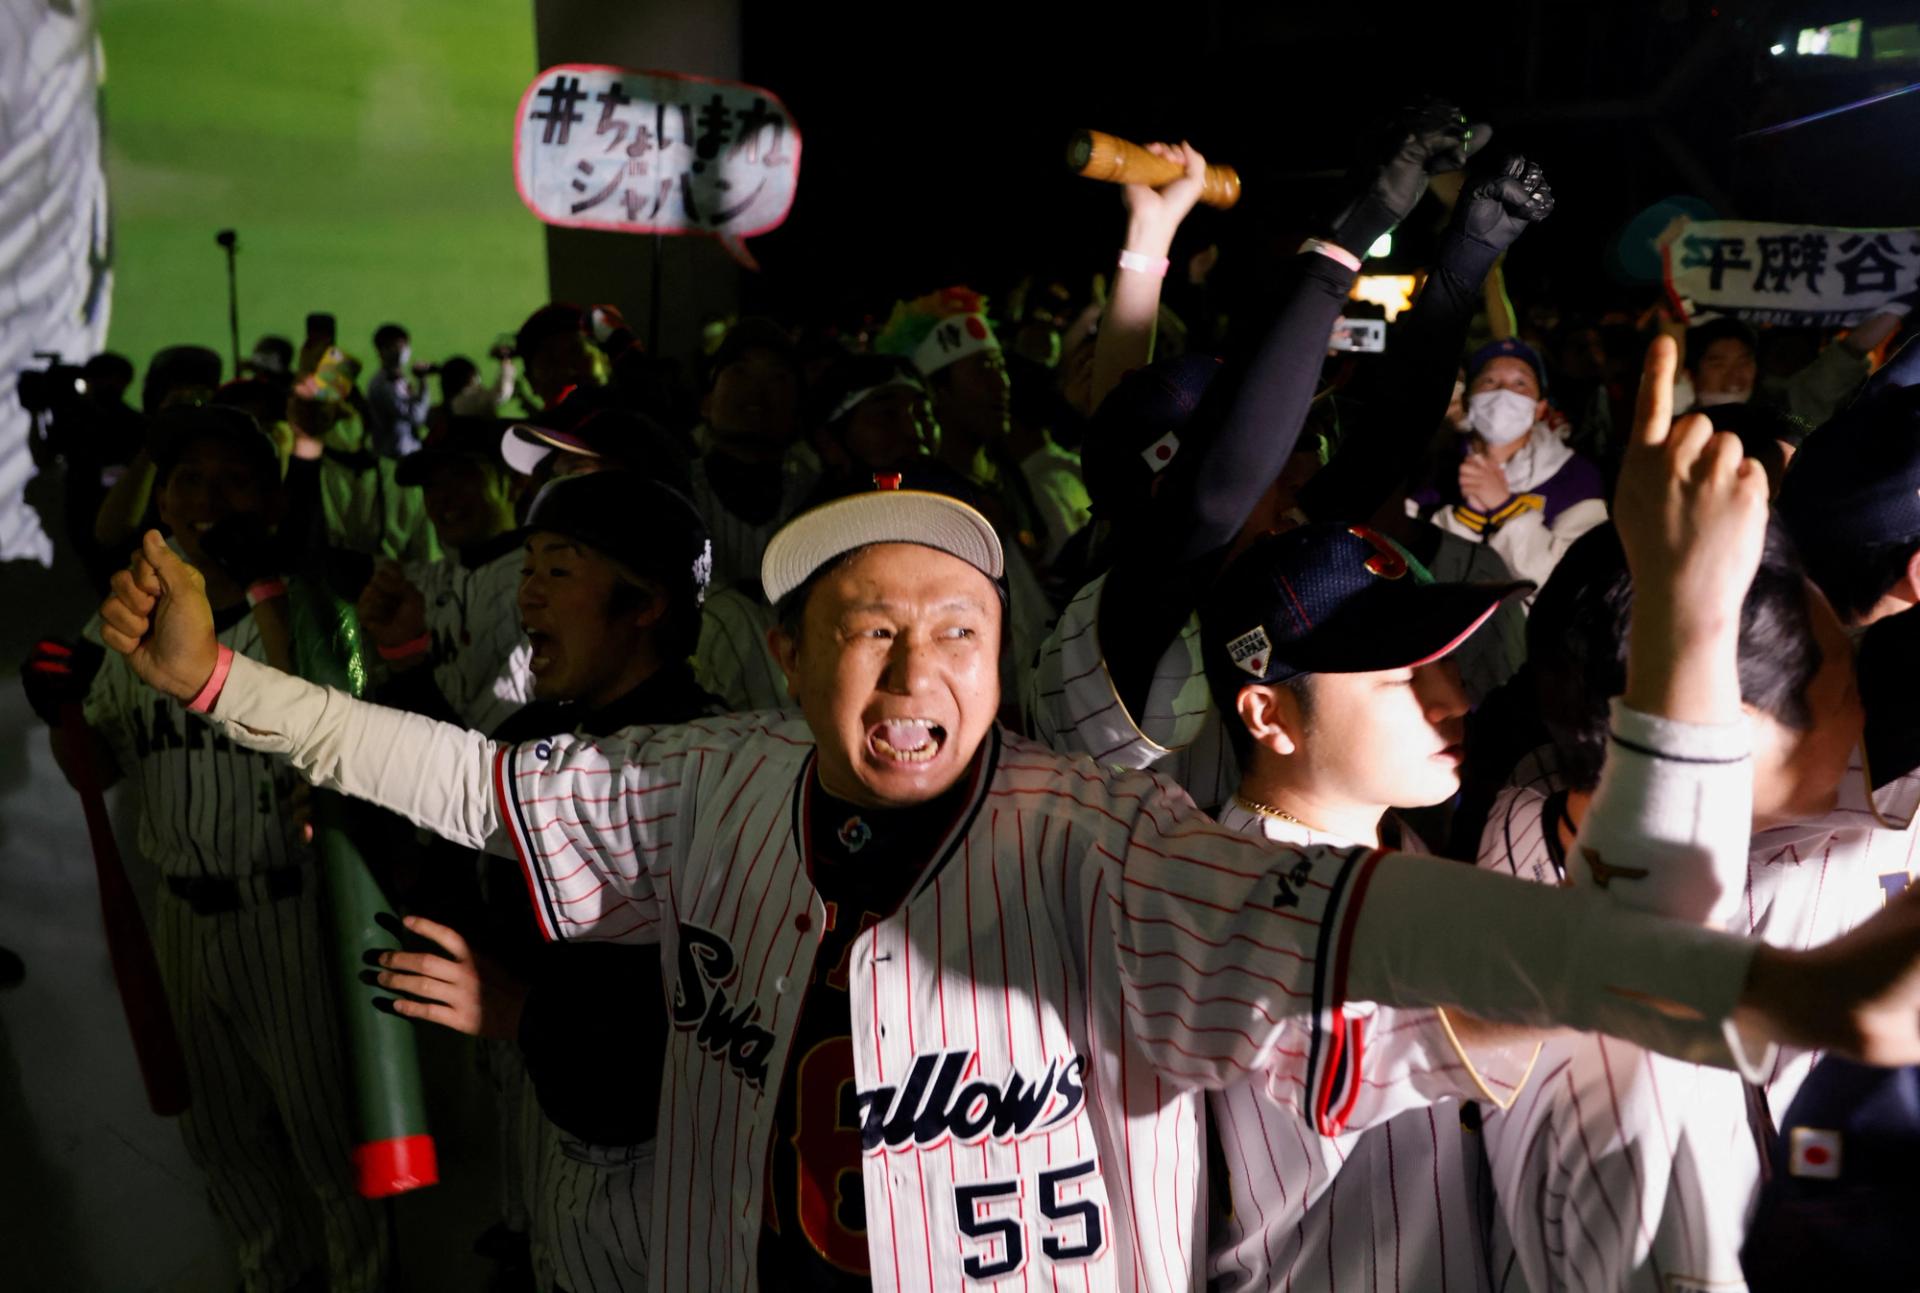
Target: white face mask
column 1501, row 417
column 1709, row 399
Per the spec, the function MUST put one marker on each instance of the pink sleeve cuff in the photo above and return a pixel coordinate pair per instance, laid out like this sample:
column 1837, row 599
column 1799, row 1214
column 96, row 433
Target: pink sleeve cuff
column 222, row 663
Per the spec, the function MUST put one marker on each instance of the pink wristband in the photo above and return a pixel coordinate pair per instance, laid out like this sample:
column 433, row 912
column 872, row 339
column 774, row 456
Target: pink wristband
column 1333, row 252
column 207, row 695
column 265, row 590
column 406, row 650
column 1141, row 263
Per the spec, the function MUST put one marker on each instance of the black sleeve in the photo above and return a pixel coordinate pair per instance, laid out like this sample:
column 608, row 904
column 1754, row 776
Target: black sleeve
column 1241, row 436
column 1389, row 441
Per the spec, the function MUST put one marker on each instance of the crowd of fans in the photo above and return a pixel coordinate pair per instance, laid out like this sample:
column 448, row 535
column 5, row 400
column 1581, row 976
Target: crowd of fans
column 1336, row 598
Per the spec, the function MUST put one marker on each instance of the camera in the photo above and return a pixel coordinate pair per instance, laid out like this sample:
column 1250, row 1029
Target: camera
column 50, row 389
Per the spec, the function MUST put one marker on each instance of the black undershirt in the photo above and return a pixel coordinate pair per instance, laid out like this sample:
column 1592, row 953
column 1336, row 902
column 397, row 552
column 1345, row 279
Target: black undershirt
column 863, row 862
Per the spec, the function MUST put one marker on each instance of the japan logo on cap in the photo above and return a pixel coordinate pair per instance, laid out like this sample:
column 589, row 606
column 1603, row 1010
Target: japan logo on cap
column 1251, row 651
column 1814, row 1152
column 1161, row 451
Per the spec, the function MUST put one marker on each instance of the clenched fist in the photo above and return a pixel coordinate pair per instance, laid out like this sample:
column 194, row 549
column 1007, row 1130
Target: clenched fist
column 157, row 616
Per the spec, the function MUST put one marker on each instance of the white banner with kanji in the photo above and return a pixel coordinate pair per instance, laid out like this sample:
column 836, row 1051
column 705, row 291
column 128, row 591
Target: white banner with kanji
column 1802, row 275
column 654, row 152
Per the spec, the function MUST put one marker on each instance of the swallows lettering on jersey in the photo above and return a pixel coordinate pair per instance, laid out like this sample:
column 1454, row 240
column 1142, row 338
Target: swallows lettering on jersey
column 933, row 1104
column 724, row 1030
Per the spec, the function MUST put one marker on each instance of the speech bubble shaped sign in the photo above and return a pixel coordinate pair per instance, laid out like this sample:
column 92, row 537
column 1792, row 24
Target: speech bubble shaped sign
column 599, row 147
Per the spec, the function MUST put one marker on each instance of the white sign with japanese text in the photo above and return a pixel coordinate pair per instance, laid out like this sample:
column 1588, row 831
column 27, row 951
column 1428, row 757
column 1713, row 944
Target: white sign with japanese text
column 1789, row 274
column 654, row 152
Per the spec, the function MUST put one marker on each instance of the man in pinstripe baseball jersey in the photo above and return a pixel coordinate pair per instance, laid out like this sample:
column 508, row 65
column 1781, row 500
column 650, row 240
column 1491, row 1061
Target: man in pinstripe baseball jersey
column 1069, row 931
column 616, row 568
column 1332, row 651
column 239, row 935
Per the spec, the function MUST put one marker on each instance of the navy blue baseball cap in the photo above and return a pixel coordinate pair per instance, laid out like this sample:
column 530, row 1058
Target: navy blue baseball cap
column 1838, row 1211
column 1138, row 428
column 1507, row 348
column 1330, row 598
column 1856, row 481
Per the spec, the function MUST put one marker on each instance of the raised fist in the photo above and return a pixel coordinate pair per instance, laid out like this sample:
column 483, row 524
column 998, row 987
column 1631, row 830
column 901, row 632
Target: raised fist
column 157, row 616
column 1425, row 140
column 1499, row 208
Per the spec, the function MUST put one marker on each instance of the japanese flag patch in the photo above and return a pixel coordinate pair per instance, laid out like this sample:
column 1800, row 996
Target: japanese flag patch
column 1252, row 652
column 1815, row 1153
column 1161, row 451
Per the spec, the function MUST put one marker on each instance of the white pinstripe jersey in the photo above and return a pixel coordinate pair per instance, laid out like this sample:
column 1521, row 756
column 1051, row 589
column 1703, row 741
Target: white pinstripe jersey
column 480, row 658
column 1624, row 1169
column 1028, row 1029
column 1072, row 706
column 207, row 806
column 1389, row 1200
column 733, row 660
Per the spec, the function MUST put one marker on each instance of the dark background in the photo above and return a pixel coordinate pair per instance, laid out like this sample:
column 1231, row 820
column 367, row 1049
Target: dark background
column 934, row 133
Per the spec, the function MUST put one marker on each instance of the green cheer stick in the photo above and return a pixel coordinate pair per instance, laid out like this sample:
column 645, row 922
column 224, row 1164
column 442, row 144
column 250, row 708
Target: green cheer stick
column 393, row 1151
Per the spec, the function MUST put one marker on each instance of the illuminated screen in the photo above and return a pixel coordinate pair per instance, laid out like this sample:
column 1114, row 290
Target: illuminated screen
column 362, row 149
column 1835, row 40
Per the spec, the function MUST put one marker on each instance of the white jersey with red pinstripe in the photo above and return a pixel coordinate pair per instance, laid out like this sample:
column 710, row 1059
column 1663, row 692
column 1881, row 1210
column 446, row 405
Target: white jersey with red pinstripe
column 1027, row 1028
column 480, row 657
column 1391, row 1201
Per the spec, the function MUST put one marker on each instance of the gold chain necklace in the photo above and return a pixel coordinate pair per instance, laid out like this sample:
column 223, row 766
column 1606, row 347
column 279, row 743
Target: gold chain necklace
column 1268, row 810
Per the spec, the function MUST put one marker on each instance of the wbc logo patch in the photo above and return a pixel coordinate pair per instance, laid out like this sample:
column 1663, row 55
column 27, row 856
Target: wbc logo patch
column 1251, row 652
column 1814, row 1153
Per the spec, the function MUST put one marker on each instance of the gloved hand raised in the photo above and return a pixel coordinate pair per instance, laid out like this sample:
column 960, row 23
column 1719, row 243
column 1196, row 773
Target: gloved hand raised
column 1425, row 140
column 1498, row 209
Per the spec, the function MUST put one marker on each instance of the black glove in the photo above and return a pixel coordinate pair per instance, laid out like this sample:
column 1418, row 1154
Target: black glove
column 1426, row 140
column 244, row 546
column 1498, row 209
column 57, row 674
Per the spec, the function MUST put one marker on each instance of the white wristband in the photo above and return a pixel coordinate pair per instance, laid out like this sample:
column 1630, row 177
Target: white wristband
column 1333, row 252
column 1141, row 263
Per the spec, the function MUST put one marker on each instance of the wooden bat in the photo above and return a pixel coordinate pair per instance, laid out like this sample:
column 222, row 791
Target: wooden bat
column 1108, row 157
column 136, row 970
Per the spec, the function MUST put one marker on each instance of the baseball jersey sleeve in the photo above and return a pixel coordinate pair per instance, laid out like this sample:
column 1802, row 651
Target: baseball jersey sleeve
column 597, row 823
column 1217, row 940
column 1669, row 826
